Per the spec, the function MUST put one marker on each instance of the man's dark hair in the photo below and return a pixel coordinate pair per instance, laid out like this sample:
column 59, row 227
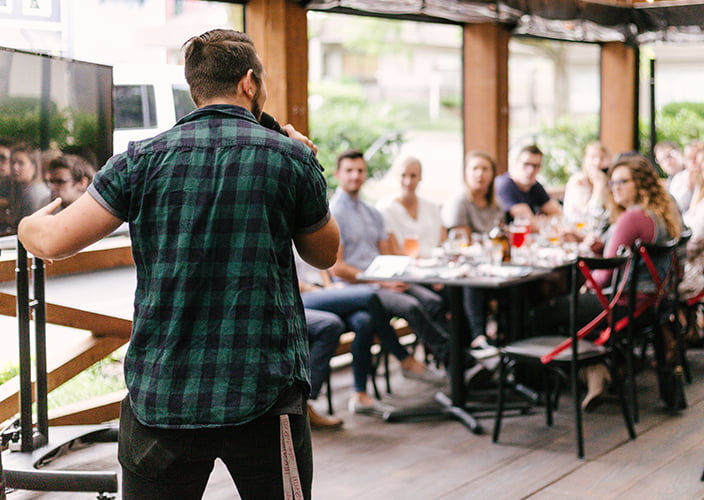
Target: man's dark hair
column 87, row 154
column 531, row 149
column 4, row 141
column 350, row 154
column 77, row 165
column 217, row 60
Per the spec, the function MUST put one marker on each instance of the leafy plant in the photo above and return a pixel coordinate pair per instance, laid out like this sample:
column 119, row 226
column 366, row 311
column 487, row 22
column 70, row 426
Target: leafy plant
column 10, row 370
column 677, row 122
column 563, row 146
column 342, row 118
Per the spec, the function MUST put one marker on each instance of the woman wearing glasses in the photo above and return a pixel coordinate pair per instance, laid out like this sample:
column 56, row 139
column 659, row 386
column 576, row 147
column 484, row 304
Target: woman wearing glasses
column 639, row 210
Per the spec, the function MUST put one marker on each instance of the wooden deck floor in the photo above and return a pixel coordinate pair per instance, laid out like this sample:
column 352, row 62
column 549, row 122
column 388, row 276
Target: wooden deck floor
column 439, row 459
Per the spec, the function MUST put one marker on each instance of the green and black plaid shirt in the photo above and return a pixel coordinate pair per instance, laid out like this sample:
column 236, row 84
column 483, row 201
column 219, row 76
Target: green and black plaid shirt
column 212, row 204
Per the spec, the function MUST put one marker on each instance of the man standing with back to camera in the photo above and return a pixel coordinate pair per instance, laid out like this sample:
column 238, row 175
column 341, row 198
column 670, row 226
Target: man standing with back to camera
column 218, row 360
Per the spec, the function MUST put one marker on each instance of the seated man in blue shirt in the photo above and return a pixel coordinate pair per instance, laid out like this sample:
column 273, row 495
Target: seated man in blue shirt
column 363, row 237
column 520, row 192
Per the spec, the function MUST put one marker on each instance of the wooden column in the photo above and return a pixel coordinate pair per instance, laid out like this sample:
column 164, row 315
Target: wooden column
column 619, row 67
column 279, row 31
column 485, row 76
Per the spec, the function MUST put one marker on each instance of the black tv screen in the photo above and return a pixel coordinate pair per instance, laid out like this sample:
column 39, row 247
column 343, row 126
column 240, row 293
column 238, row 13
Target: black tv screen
column 49, row 106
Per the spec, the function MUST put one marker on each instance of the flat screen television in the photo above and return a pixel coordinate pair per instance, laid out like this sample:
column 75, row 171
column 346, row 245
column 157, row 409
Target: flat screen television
column 48, row 106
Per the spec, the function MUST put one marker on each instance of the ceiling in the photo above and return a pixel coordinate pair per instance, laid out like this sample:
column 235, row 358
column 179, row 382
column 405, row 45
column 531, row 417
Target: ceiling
column 631, row 21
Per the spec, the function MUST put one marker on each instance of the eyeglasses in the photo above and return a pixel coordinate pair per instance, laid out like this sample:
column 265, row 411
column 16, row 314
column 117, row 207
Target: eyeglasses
column 59, row 182
column 620, row 182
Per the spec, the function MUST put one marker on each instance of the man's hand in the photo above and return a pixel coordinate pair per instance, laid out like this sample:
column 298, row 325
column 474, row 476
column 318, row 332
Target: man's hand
column 48, row 209
column 296, row 135
column 45, row 211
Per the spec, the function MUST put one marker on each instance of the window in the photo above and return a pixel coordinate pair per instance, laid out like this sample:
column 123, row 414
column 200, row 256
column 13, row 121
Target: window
column 183, row 104
column 135, row 106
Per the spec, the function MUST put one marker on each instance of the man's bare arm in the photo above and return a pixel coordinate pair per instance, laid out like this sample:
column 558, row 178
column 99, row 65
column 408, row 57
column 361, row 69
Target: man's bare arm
column 55, row 237
column 551, row 207
column 319, row 248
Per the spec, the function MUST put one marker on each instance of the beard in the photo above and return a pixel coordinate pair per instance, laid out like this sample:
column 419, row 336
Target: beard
column 257, row 106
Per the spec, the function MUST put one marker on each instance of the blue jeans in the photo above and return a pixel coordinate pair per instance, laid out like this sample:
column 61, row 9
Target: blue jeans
column 324, row 330
column 363, row 313
column 475, row 300
column 424, row 311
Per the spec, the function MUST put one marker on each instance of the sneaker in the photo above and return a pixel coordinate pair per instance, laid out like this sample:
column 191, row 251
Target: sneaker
column 377, row 408
column 318, row 421
column 484, row 352
column 429, row 376
column 481, row 349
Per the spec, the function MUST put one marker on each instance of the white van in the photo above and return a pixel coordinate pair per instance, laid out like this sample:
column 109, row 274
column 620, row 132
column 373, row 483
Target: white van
column 147, row 99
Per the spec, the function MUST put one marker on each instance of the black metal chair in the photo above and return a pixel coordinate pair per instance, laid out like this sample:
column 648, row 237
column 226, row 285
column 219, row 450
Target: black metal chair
column 557, row 356
column 657, row 264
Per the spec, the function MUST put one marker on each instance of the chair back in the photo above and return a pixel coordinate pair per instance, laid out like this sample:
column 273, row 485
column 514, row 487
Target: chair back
column 609, row 296
column 655, row 275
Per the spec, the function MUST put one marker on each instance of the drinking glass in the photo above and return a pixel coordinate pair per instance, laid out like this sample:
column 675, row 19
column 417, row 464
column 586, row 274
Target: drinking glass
column 551, row 230
column 518, row 230
column 410, row 246
column 456, row 240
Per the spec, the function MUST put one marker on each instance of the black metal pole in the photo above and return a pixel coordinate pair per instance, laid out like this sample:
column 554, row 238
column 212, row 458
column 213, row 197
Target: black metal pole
column 22, row 273
column 39, row 305
column 653, row 131
column 2, row 476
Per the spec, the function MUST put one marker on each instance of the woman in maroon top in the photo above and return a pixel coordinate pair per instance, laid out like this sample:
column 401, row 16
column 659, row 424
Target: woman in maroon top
column 639, row 206
column 640, row 209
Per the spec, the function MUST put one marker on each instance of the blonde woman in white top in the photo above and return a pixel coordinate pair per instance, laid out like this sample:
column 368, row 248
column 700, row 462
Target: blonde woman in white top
column 408, row 216
column 586, row 191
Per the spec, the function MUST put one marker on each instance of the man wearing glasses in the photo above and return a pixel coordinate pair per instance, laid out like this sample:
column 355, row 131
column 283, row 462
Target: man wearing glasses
column 519, row 191
column 69, row 177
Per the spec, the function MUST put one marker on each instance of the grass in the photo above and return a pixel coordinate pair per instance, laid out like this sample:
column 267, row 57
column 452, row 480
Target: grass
column 103, row 377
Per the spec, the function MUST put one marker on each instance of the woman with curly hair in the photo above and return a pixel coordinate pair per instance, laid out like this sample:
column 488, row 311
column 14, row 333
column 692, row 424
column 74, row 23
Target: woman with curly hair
column 639, row 209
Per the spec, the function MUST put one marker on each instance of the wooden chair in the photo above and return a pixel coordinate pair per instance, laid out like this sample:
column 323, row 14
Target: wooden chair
column 557, row 356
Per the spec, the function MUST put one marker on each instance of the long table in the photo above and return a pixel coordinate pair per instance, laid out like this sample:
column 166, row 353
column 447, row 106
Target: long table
column 457, row 406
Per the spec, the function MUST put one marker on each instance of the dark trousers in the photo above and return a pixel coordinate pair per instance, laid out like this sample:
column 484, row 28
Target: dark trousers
column 175, row 464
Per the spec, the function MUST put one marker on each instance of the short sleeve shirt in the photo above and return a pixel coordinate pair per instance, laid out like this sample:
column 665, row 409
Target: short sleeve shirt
column 427, row 227
column 218, row 331
column 361, row 228
column 461, row 211
column 510, row 194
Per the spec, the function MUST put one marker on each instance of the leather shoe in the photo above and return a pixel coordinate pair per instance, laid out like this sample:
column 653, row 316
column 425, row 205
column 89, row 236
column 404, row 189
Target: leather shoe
column 318, row 421
column 376, row 408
